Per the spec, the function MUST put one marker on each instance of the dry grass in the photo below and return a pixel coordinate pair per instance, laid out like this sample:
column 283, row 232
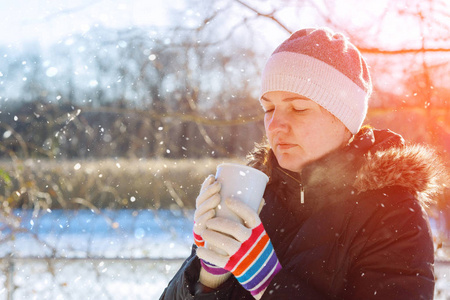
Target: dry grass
column 106, row 183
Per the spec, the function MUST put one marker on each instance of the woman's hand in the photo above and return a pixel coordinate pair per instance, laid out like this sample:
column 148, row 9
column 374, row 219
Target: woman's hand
column 249, row 252
column 210, row 275
column 205, row 205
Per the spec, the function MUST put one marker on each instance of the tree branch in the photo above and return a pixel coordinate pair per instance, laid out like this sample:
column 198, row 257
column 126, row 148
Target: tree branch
column 400, row 51
column 269, row 16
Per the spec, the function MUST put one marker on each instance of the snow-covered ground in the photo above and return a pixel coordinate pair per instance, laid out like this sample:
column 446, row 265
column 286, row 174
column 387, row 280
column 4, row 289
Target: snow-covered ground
column 123, row 254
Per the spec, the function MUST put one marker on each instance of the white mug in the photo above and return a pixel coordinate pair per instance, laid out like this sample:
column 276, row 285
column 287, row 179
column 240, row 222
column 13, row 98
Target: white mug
column 241, row 182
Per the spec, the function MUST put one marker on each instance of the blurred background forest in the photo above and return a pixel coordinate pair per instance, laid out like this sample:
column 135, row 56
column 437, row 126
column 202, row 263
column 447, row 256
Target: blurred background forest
column 129, row 104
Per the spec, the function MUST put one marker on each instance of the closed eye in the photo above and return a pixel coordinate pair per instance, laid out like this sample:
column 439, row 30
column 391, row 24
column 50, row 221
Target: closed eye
column 268, row 110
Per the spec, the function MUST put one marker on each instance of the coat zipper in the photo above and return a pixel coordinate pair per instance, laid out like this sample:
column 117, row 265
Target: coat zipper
column 302, row 194
column 302, row 188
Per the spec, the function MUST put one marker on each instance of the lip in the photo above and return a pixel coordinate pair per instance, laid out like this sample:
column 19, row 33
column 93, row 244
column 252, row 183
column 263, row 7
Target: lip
column 285, row 146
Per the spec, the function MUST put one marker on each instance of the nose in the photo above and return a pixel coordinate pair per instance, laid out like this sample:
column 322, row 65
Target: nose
column 276, row 121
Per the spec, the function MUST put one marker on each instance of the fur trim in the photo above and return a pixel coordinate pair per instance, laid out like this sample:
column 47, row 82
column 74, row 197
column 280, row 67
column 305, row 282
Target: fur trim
column 416, row 168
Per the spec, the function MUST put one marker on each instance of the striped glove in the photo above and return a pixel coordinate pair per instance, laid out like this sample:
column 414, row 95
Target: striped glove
column 251, row 257
column 206, row 202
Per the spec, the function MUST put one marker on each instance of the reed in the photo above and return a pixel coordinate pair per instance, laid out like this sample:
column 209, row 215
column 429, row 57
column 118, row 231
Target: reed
column 105, row 183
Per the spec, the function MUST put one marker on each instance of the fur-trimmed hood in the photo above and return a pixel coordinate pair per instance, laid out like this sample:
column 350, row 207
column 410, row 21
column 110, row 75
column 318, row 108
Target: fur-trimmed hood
column 374, row 160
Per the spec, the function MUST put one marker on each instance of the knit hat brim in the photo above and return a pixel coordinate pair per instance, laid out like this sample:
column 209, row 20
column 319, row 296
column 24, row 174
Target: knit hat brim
column 318, row 81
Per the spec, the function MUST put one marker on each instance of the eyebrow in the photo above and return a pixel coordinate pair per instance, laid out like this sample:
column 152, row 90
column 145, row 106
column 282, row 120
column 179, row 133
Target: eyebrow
column 288, row 99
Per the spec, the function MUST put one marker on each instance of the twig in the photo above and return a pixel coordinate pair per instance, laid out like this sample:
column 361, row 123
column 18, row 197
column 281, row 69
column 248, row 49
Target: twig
column 269, row 15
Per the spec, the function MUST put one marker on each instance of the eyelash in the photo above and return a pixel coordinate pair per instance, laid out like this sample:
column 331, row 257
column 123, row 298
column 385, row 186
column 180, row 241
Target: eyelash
column 295, row 110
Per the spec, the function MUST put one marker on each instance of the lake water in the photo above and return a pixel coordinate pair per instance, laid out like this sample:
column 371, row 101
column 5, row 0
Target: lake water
column 108, row 233
column 120, row 254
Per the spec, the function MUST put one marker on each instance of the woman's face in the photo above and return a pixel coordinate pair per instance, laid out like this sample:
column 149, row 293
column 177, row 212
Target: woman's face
column 299, row 130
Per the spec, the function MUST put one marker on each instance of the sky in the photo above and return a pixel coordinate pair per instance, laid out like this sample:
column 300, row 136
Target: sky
column 50, row 20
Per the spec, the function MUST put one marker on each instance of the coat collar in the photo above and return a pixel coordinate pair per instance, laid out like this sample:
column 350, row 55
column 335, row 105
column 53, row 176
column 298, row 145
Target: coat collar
column 374, row 160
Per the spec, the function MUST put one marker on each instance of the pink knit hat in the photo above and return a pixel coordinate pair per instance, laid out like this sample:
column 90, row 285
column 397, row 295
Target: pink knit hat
column 324, row 67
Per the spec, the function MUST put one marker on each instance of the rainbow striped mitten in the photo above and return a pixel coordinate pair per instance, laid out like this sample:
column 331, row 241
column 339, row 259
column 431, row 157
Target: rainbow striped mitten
column 198, row 240
column 251, row 257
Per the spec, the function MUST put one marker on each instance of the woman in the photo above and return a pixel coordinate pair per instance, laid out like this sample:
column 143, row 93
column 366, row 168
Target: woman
column 343, row 215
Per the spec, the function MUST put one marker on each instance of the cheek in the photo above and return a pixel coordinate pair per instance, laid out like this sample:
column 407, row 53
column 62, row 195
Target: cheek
column 336, row 134
column 338, row 129
column 323, row 135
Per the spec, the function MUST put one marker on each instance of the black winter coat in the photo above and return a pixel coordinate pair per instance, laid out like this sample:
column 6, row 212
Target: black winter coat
column 361, row 233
